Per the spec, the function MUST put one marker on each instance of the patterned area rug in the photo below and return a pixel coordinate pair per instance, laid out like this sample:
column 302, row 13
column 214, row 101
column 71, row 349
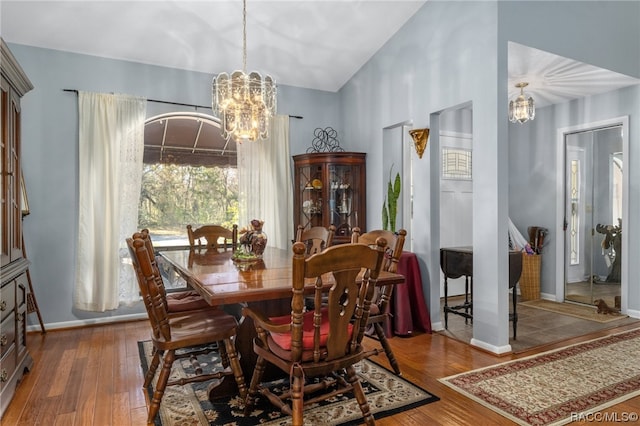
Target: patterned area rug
column 560, row 386
column 579, row 311
column 189, row 405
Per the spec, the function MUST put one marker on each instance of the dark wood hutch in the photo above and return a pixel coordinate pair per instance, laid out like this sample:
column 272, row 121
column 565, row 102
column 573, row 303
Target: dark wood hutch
column 14, row 357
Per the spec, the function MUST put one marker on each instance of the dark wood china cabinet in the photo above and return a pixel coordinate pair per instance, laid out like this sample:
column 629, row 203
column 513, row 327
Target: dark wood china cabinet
column 14, row 357
column 330, row 189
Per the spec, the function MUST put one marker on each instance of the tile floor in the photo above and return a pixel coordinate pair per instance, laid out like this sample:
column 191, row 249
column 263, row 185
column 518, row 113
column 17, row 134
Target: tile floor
column 535, row 327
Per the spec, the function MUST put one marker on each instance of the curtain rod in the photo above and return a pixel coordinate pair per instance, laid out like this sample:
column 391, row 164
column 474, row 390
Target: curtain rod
column 173, row 103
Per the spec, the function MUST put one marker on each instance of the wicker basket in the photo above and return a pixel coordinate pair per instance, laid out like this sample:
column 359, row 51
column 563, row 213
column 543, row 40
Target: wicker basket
column 530, row 278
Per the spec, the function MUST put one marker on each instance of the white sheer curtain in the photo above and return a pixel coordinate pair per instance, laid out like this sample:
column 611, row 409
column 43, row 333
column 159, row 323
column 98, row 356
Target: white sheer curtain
column 265, row 186
column 111, row 145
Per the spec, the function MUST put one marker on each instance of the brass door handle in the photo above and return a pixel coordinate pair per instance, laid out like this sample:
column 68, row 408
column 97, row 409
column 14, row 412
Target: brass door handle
column 3, row 305
column 3, row 375
column 3, row 340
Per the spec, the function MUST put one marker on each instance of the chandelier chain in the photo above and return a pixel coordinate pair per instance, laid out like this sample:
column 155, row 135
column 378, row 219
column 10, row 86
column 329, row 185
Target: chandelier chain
column 244, row 36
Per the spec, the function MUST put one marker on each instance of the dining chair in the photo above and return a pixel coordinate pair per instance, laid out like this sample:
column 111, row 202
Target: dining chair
column 316, row 238
column 324, row 343
column 212, row 234
column 176, row 302
column 379, row 314
column 191, row 334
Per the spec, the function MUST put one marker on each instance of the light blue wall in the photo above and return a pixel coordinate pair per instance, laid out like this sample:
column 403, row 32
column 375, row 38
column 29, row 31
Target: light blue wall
column 448, row 54
column 50, row 151
column 443, row 57
column 532, row 169
column 601, row 33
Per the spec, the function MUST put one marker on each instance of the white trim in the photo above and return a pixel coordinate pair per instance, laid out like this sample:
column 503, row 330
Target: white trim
column 437, row 326
column 633, row 313
column 491, row 348
column 407, row 154
column 88, row 322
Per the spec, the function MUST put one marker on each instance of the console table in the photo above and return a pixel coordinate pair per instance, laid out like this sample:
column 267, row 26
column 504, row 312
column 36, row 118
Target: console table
column 456, row 262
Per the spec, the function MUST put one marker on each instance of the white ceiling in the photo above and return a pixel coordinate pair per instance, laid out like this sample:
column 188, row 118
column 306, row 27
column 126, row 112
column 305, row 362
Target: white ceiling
column 553, row 79
column 305, row 43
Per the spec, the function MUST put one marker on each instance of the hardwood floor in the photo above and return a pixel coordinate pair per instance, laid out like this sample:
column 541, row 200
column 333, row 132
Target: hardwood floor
column 92, row 376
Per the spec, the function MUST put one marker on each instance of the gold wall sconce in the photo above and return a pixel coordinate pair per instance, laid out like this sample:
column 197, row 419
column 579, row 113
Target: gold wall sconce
column 420, row 137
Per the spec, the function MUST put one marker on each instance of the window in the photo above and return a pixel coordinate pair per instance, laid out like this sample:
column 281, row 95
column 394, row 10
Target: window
column 189, row 177
column 456, row 163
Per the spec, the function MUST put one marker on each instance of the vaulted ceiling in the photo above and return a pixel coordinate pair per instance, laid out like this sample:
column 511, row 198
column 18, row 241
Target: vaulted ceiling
column 305, row 43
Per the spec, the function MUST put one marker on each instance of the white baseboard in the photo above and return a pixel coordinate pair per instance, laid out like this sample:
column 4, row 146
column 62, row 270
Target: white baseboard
column 491, row 348
column 437, row 326
column 84, row 323
column 633, row 313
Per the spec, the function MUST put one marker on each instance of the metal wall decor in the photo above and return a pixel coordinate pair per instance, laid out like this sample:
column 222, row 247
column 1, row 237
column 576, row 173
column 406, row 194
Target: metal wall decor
column 325, row 140
column 420, row 137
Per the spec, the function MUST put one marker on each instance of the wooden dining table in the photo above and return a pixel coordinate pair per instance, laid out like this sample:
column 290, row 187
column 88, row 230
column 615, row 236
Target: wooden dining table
column 263, row 284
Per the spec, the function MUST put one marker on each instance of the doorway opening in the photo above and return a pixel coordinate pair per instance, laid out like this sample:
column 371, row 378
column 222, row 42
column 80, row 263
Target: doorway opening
column 456, row 187
column 397, row 158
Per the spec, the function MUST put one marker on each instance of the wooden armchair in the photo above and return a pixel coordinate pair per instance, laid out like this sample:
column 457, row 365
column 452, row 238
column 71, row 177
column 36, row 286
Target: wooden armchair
column 212, row 234
column 379, row 314
column 189, row 331
column 177, row 302
column 326, row 341
column 316, row 238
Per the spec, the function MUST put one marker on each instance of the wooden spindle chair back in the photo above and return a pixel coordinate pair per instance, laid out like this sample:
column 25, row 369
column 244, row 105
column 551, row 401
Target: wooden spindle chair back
column 327, row 340
column 197, row 332
column 209, row 237
column 316, row 238
column 380, row 305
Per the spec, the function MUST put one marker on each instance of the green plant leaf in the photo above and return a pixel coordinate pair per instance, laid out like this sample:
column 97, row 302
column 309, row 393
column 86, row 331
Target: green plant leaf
column 396, row 187
column 385, row 216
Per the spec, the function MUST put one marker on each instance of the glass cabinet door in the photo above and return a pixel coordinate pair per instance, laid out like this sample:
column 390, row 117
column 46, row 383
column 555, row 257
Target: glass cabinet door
column 310, row 189
column 343, row 198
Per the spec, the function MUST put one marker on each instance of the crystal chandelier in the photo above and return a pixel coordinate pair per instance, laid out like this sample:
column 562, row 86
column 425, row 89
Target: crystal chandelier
column 521, row 109
column 244, row 102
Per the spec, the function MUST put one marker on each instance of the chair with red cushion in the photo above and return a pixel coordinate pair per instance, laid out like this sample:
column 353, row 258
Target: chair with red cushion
column 379, row 307
column 326, row 342
column 191, row 333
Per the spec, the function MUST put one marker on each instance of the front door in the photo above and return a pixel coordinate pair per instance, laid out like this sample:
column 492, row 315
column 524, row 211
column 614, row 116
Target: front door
column 593, row 215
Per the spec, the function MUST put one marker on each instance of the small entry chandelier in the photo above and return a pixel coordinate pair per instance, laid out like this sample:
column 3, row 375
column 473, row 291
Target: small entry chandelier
column 244, row 102
column 522, row 109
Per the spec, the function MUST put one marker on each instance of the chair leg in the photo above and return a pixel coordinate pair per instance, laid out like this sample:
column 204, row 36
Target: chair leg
column 153, row 366
column 297, row 399
column 163, row 378
column 234, row 362
column 515, row 312
column 222, row 350
column 387, row 348
column 352, row 378
column 250, row 400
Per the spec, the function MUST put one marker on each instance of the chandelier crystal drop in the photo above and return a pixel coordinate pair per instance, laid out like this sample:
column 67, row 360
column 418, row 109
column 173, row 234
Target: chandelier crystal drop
column 244, row 102
column 522, row 108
